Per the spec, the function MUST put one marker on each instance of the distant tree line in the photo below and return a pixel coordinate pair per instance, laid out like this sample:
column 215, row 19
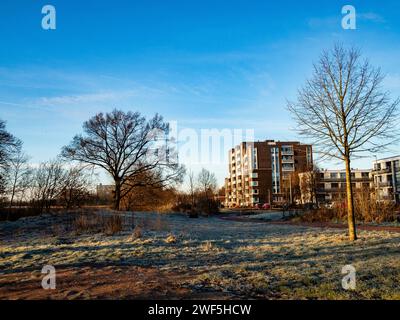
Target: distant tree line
column 201, row 195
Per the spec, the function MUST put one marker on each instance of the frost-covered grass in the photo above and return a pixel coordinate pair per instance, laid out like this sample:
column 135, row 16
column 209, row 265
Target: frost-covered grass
column 268, row 216
column 244, row 259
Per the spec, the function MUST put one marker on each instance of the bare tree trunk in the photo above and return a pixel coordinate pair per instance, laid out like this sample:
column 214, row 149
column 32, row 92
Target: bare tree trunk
column 192, row 203
column 350, row 202
column 12, row 197
column 13, row 190
column 117, row 195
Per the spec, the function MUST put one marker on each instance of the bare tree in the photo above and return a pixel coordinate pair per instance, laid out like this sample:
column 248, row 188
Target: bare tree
column 192, row 190
column 19, row 172
column 207, row 185
column 344, row 111
column 8, row 146
column 125, row 145
column 75, row 186
column 8, row 143
column 48, row 182
column 309, row 182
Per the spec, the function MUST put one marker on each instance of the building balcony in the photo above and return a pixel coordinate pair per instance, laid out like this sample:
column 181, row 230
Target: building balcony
column 287, row 153
column 382, row 170
column 385, row 184
column 343, row 180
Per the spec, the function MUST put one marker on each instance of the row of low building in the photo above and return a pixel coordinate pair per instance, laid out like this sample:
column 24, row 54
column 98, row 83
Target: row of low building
column 273, row 171
column 383, row 180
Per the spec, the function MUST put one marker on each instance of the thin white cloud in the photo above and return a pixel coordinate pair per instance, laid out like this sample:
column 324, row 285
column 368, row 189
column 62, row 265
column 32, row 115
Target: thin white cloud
column 80, row 99
column 371, row 16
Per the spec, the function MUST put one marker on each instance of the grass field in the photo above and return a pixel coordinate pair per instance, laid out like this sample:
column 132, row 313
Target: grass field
column 175, row 257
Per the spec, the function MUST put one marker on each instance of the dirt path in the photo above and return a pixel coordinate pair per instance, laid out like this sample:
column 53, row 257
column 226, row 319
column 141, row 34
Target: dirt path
column 316, row 224
column 130, row 282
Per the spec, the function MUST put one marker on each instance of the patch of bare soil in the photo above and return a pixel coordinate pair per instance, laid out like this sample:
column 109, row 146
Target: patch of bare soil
column 130, row 282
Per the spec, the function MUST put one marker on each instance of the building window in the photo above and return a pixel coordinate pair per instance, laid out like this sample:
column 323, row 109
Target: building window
column 287, row 166
column 309, row 155
column 255, row 159
column 287, row 150
column 275, row 170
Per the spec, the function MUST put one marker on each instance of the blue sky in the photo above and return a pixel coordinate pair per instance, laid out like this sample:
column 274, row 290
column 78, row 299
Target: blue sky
column 205, row 64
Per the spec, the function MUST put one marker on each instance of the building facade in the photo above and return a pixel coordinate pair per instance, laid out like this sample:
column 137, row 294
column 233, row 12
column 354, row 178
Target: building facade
column 331, row 184
column 386, row 177
column 262, row 171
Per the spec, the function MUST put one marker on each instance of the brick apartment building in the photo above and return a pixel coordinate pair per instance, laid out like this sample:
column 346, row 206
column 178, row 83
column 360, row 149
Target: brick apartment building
column 261, row 172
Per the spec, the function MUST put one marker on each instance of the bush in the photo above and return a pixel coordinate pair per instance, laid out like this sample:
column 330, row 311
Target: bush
column 171, row 239
column 365, row 211
column 137, row 233
column 13, row 214
column 94, row 223
column 113, row 225
column 322, row 215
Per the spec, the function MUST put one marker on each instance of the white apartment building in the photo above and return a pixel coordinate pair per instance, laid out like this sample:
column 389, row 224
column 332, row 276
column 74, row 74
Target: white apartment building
column 331, row 184
column 386, row 177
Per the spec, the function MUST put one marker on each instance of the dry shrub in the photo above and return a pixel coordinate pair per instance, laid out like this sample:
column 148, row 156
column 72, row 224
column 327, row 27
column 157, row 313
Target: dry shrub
column 13, row 214
column 207, row 246
column 322, row 215
column 98, row 223
column 137, row 232
column 366, row 210
column 86, row 224
column 369, row 210
column 113, row 225
column 171, row 239
column 165, row 208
